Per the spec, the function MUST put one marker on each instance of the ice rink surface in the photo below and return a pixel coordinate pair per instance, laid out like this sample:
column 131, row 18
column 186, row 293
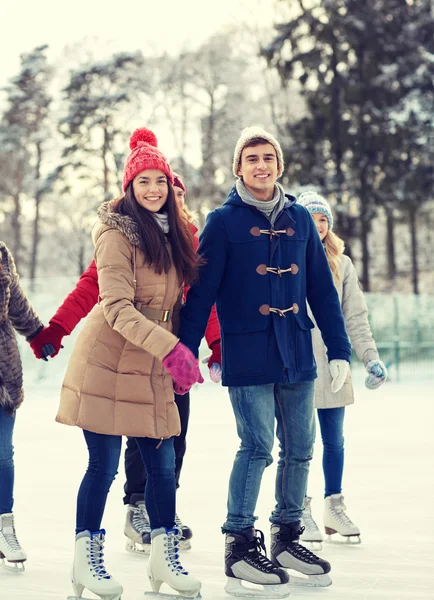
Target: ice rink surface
column 388, row 488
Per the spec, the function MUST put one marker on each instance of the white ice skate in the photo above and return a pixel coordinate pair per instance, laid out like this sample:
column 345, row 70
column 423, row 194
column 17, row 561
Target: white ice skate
column 12, row 556
column 137, row 529
column 311, row 536
column 88, row 570
column 164, row 567
column 337, row 521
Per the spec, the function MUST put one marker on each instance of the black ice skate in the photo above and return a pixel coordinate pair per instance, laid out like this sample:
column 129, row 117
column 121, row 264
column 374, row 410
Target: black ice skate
column 186, row 534
column 137, row 528
column 287, row 552
column 246, row 560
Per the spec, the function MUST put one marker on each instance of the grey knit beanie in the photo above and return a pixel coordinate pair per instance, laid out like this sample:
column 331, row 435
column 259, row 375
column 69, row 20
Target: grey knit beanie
column 251, row 133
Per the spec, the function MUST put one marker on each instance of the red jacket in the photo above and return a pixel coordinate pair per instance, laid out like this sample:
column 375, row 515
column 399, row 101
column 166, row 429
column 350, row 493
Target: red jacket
column 83, row 298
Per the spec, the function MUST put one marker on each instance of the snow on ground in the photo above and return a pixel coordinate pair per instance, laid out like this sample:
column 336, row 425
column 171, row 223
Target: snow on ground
column 388, row 486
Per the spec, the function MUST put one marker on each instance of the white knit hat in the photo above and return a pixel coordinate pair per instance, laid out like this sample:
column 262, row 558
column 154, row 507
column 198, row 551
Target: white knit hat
column 316, row 204
column 251, row 133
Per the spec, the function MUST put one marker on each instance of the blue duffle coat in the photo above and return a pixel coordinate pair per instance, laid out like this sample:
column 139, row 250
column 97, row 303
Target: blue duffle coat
column 260, row 278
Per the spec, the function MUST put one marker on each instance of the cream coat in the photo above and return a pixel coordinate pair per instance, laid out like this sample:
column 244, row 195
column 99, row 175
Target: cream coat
column 115, row 382
column 357, row 324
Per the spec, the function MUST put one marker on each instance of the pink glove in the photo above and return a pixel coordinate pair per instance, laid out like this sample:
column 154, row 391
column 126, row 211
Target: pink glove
column 180, row 390
column 183, row 366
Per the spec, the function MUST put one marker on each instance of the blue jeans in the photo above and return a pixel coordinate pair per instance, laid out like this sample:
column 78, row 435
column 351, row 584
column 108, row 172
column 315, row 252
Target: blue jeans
column 331, row 421
column 256, row 408
column 7, row 471
column 104, row 453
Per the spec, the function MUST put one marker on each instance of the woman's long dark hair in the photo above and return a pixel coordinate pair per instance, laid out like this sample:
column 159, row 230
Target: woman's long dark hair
column 153, row 239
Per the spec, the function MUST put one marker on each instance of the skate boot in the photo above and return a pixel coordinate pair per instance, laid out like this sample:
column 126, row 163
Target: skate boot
column 137, row 528
column 311, row 535
column 187, row 534
column 337, row 521
column 12, row 556
column 164, row 567
column 246, row 560
column 288, row 553
column 88, row 570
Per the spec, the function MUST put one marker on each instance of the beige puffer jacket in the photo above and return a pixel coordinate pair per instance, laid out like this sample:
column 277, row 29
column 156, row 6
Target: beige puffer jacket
column 356, row 320
column 115, row 382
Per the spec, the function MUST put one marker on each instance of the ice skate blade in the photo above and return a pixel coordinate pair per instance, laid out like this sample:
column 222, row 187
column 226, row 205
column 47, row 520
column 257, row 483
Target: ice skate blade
column 350, row 540
column 12, row 567
column 137, row 548
column 235, row 587
column 116, row 597
column 178, row 596
column 310, row 580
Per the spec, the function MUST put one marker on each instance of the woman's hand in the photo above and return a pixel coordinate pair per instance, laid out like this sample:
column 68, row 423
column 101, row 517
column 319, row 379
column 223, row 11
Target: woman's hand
column 48, row 342
column 183, row 366
column 377, row 374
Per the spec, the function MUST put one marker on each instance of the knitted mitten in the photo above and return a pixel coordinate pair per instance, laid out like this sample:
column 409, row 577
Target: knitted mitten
column 183, row 366
column 377, row 374
column 48, row 341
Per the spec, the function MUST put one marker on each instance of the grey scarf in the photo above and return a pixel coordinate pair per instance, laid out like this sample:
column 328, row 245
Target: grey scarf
column 271, row 208
column 162, row 220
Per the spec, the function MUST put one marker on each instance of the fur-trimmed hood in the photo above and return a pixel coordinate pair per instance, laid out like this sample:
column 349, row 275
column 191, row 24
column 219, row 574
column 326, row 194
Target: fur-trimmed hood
column 123, row 223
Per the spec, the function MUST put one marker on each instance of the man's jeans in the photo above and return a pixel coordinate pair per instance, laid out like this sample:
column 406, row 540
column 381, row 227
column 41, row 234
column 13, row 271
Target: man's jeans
column 7, row 422
column 331, row 421
column 256, row 408
column 104, row 452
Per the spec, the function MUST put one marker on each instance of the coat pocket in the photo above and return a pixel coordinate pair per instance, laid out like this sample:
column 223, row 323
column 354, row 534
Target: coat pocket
column 245, row 354
column 305, row 360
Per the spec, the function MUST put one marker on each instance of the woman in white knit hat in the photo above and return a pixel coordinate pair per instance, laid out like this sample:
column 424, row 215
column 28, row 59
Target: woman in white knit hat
column 330, row 404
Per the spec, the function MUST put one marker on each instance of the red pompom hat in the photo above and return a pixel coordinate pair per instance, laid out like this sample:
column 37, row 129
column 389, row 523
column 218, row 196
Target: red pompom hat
column 144, row 155
column 178, row 182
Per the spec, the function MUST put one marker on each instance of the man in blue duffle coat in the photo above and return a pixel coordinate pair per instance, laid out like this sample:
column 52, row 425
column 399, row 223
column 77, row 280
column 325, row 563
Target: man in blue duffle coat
column 263, row 259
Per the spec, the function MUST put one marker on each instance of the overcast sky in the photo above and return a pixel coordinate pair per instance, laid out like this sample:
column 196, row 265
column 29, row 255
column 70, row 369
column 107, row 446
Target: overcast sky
column 125, row 25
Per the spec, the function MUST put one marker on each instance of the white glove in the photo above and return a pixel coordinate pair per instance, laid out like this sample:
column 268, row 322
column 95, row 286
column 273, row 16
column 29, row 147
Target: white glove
column 338, row 371
column 377, row 374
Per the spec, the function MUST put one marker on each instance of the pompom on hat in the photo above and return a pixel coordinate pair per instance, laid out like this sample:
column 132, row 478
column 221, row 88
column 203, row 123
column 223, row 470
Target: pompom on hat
column 248, row 135
column 144, row 155
column 316, row 204
column 177, row 181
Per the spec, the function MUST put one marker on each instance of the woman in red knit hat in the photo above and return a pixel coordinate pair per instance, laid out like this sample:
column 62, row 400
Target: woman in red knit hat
column 75, row 307
column 119, row 377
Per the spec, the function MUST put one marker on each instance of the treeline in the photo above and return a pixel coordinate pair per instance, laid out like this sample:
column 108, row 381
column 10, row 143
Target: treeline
column 346, row 86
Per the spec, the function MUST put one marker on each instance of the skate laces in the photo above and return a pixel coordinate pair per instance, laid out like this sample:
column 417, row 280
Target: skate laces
column 308, row 521
column 96, row 554
column 178, row 522
column 257, row 556
column 140, row 518
column 173, row 537
column 8, row 531
column 302, row 552
column 338, row 509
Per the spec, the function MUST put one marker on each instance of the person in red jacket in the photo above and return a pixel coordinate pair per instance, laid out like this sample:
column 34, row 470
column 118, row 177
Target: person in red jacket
column 48, row 342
